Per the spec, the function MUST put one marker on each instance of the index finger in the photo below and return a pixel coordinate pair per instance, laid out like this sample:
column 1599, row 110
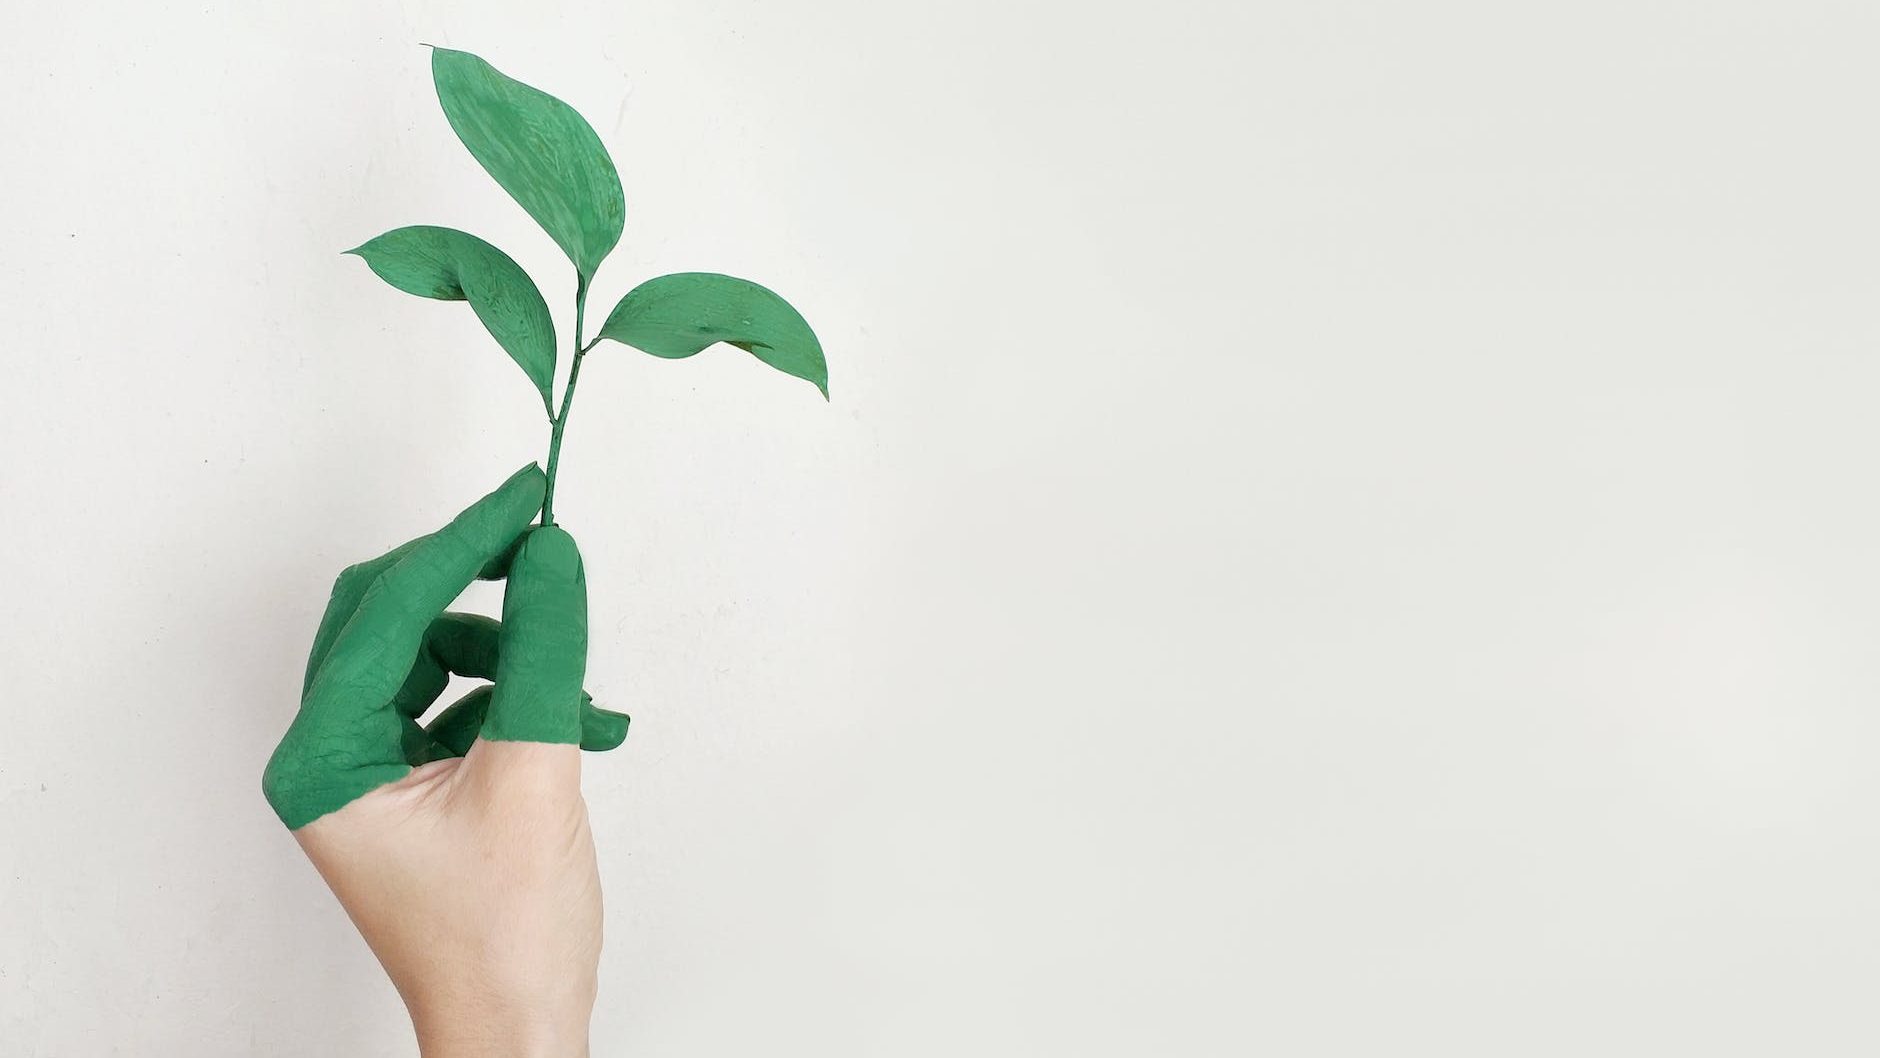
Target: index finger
column 350, row 587
column 373, row 653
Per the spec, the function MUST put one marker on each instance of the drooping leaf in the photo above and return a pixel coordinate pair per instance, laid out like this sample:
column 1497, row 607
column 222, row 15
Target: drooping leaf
column 453, row 265
column 540, row 150
column 675, row 316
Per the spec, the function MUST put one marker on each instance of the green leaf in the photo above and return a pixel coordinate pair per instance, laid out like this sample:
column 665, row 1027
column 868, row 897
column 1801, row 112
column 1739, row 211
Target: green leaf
column 675, row 316
column 543, row 153
column 452, row 265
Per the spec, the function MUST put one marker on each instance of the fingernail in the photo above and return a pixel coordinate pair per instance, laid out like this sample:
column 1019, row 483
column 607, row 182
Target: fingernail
column 551, row 551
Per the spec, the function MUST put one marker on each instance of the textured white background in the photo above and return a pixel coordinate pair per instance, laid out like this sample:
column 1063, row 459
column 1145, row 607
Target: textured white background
column 1345, row 529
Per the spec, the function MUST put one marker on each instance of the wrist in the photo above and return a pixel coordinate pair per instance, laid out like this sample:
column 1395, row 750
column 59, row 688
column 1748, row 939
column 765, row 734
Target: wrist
column 500, row 1044
column 489, row 1033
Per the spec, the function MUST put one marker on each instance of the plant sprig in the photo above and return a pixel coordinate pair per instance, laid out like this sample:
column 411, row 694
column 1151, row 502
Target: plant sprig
column 549, row 159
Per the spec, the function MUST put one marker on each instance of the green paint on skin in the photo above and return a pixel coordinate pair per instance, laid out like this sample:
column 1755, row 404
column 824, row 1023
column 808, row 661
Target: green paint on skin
column 537, row 697
column 385, row 650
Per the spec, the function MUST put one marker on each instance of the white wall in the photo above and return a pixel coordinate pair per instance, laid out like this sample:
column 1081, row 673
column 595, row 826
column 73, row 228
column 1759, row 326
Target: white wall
column 1344, row 528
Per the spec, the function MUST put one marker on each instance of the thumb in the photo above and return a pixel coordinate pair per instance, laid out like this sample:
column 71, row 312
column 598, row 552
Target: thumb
column 542, row 654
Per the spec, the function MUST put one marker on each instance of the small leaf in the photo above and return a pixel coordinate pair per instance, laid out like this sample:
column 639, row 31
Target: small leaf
column 452, row 265
column 540, row 150
column 675, row 316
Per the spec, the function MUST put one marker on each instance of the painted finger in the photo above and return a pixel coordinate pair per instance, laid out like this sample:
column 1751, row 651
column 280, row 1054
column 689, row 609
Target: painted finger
column 351, row 586
column 466, row 644
column 456, row 728
column 347, row 738
column 601, row 729
column 462, row 644
column 375, row 649
column 348, row 588
column 544, row 644
column 456, row 643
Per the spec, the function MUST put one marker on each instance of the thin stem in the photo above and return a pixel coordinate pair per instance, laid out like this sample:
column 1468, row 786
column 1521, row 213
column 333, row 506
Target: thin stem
column 560, row 420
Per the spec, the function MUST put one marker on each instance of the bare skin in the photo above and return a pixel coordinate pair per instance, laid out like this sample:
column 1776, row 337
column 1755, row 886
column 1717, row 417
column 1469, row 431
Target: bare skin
column 473, row 881
column 460, row 848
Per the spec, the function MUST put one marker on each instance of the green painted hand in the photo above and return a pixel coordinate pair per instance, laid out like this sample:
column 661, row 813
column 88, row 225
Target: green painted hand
column 386, row 648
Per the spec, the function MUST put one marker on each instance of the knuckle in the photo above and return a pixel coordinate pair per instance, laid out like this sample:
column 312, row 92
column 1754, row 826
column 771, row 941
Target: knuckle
column 349, row 579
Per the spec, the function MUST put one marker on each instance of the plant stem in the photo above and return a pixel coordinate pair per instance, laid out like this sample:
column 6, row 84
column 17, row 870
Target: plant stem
column 560, row 420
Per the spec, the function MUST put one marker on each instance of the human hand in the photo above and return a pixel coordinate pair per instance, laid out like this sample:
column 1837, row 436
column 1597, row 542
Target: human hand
column 461, row 850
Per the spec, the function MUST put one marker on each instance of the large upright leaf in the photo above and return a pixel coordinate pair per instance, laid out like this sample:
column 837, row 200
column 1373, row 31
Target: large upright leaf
column 543, row 153
column 453, row 265
column 677, row 315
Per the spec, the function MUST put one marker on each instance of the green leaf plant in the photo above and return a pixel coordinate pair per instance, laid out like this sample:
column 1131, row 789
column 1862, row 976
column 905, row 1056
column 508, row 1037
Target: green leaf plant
column 549, row 159
column 387, row 648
